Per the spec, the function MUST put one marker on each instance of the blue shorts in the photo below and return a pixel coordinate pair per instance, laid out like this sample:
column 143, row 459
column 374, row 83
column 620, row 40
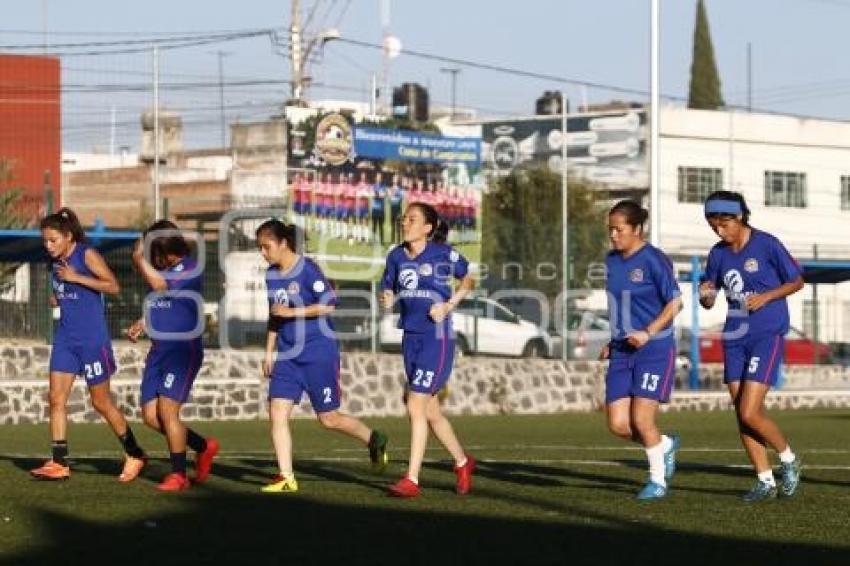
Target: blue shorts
column 427, row 361
column 318, row 376
column 363, row 212
column 758, row 358
column 297, row 207
column 95, row 363
column 171, row 372
column 633, row 375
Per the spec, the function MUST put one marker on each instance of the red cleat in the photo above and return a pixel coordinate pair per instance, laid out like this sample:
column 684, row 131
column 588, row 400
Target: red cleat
column 204, row 461
column 464, row 476
column 174, row 482
column 404, row 488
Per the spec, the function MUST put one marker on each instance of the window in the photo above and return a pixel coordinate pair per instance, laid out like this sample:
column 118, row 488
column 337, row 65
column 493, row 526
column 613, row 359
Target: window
column 502, row 314
column 696, row 183
column 845, row 192
column 784, row 188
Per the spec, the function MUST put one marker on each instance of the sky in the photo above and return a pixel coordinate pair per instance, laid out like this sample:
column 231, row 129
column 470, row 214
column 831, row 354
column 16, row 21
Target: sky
column 797, row 55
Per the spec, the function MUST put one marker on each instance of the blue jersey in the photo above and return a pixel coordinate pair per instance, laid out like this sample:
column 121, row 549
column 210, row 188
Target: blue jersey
column 302, row 285
column 762, row 264
column 422, row 281
column 395, row 199
column 82, row 313
column 173, row 314
column 379, row 193
column 639, row 287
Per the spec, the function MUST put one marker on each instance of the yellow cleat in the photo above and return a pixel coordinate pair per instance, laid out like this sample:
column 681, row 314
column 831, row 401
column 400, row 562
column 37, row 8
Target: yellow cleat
column 281, row 485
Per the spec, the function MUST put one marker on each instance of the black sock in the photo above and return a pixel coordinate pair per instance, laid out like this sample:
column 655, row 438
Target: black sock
column 178, row 462
column 195, row 441
column 60, row 451
column 131, row 447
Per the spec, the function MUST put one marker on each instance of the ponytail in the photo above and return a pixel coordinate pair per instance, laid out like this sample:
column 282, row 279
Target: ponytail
column 65, row 222
column 294, row 236
column 439, row 233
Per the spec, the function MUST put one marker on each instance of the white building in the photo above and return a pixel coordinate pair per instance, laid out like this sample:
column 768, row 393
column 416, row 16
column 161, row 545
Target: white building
column 795, row 175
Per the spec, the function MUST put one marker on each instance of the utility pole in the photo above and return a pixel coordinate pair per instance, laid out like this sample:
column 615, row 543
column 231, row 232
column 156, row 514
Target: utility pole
column 749, row 77
column 454, row 72
column 156, row 140
column 221, row 55
column 296, row 56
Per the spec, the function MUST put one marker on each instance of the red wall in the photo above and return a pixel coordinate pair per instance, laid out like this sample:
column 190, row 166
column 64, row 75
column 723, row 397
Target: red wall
column 30, row 122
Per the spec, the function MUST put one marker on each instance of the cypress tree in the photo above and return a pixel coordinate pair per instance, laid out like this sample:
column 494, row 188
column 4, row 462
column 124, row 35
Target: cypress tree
column 705, row 81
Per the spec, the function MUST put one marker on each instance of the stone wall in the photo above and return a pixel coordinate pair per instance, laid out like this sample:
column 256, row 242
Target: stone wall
column 229, row 386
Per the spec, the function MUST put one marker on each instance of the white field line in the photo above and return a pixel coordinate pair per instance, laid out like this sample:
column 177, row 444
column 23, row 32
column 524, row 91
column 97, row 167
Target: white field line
column 470, row 447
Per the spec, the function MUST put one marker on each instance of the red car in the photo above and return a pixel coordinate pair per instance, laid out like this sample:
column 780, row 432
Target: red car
column 799, row 348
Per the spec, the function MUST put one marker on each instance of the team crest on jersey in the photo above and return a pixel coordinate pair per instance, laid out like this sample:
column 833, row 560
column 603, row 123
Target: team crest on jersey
column 408, row 279
column 454, row 256
column 751, row 265
column 293, row 288
column 281, row 297
column 636, row 275
column 178, row 268
column 318, row 286
column 425, row 270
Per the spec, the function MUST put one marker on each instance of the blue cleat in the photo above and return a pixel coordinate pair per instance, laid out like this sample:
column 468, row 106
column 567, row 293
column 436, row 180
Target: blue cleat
column 652, row 491
column 760, row 492
column 670, row 456
column 790, row 478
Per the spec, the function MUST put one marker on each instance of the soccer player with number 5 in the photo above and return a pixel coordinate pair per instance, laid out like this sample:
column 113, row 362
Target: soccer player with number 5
column 419, row 272
column 756, row 274
column 643, row 300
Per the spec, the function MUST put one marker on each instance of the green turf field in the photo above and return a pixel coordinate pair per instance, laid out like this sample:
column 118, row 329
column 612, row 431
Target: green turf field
column 550, row 490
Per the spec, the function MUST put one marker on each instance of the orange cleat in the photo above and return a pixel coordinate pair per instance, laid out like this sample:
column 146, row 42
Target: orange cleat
column 464, row 476
column 132, row 468
column 204, row 461
column 404, row 488
column 51, row 471
column 174, row 482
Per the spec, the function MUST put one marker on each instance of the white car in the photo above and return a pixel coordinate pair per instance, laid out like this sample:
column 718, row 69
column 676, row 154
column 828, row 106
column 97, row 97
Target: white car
column 498, row 330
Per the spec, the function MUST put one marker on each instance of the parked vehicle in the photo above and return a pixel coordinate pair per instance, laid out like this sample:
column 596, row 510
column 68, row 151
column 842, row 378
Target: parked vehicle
column 799, row 348
column 588, row 331
column 483, row 326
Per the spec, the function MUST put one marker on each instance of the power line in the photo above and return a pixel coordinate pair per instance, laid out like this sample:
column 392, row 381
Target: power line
column 126, row 42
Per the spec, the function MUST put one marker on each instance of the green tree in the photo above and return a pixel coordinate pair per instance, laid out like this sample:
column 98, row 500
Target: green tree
column 704, row 90
column 522, row 219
